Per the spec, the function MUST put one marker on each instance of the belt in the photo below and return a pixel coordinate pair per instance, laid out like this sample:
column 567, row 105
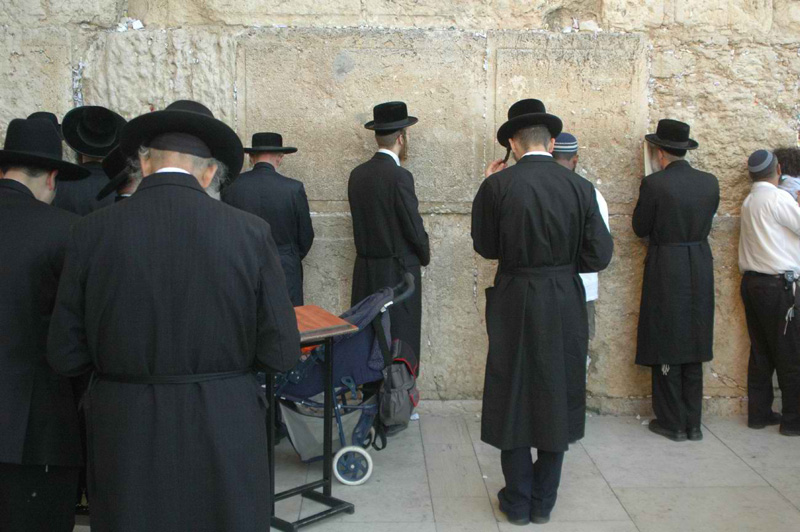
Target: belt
column 541, row 271
column 171, row 379
column 759, row 274
column 679, row 244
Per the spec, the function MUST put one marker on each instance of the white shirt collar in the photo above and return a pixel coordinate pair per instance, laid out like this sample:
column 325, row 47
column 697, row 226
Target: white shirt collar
column 392, row 154
column 173, row 170
column 538, row 153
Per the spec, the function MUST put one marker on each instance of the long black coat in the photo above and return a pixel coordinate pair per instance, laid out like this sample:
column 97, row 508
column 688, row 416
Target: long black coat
column 543, row 224
column 173, row 282
column 283, row 204
column 390, row 239
column 38, row 414
column 79, row 196
column 676, row 321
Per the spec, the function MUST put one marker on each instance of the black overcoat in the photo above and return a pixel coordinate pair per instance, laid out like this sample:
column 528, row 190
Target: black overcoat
column 171, row 282
column 282, row 203
column 79, row 196
column 543, row 224
column 38, row 414
column 390, row 239
column 676, row 320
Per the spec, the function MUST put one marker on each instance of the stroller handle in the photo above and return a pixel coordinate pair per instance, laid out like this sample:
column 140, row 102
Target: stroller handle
column 407, row 287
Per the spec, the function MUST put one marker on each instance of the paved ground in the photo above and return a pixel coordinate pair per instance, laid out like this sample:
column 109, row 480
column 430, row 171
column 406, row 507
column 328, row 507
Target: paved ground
column 438, row 477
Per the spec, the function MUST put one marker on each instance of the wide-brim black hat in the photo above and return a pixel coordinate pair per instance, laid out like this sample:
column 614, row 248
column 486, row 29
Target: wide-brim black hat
column 115, row 166
column 50, row 117
column 189, row 118
column 528, row 113
column 92, row 130
column 390, row 116
column 269, row 143
column 672, row 134
column 36, row 143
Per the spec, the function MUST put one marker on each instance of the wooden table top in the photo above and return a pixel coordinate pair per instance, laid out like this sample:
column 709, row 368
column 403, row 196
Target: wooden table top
column 316, row 324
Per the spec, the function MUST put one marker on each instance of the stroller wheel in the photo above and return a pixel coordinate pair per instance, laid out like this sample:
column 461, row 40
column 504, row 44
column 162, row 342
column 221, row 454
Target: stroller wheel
column 352, row 465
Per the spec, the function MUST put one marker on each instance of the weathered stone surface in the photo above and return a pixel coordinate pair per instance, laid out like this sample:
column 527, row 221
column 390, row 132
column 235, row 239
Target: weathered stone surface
column 139, row 71
column 633, row 15
column 597, row 85
column 103, row 13
column 322, row 107
column 35, row 73
column 739, row 15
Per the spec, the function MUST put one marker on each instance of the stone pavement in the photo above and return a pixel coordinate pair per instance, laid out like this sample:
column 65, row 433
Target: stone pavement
column 438, row 476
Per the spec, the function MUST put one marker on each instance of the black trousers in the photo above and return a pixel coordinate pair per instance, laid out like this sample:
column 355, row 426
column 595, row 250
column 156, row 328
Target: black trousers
column 678, row 395
column 35, row 498
column 766, row 302
column 531, row 489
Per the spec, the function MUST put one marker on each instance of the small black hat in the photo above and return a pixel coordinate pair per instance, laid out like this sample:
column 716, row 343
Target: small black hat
column 192, row 129
column 269, row 143
column 115, row 166
column 92, row 130
column 36, row 143
column 46, row 115
column 389, row 117
column 672, row 134
column 527, row 113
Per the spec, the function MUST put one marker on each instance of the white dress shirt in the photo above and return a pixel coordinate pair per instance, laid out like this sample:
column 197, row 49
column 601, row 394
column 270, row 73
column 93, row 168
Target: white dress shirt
column 392, row 154
column 171, row 169
column 769, row 241
column 590, row 279
column 538, row 153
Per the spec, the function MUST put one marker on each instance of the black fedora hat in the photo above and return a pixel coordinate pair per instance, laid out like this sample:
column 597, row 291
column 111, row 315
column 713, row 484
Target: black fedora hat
column 115, row 166
column 36, row 143
column 390, row 116
column 672, row 134
column 188, row 118
column 527, row 113
column 269, row 143
column 92, row 130
column 50, row 117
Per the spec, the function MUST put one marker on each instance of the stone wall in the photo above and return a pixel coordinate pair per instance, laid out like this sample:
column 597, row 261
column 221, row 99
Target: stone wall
column 313, row 70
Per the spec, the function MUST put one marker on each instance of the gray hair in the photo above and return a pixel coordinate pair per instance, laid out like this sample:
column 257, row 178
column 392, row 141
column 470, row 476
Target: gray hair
column 199, row 165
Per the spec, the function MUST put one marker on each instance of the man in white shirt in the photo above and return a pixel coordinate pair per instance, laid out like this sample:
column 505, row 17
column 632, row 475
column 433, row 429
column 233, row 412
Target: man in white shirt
column 769, row 257
column 565, row 153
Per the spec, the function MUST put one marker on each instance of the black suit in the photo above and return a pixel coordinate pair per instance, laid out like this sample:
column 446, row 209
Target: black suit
column 390, row 239
column 79, row 196
column 38, row 417
column 676, row 321
column 283, row 204
column 172, row 285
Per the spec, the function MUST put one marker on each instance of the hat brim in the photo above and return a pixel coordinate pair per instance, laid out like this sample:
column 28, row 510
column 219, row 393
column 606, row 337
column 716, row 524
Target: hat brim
column 507, row 130
column 690, row 144
column 112, row 185
column 223, row 141
column 69, row 133
column 66, row 170
column 273, row 149
column 391, row 126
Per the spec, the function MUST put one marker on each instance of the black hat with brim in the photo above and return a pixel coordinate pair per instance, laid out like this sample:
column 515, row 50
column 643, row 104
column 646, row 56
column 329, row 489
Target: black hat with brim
column 36, row 143
column 672, row 134
column 188, row 118
column 50, row 117
column 528, row 113
column 389, row 117
column 269, row 143
column 115, row 166
column 92, row 130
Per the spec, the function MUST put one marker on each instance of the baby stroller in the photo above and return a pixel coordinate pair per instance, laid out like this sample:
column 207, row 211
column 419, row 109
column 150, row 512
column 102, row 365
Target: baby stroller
column 358, row 361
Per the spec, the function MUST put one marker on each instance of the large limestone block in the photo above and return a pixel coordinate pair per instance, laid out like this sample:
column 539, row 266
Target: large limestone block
column 328, row 267
column 747, row 16
column 26, row 13
column 633, row 15
column 786, row 19
column 596, row 84
column 318, row 87
column 427, row 13
column 35, row 73
column 139, row 71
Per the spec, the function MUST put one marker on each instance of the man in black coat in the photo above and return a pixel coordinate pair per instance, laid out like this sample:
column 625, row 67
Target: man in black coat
column 40, row 449
column 174, row 299
column 92, row 131
column 278, row 200
column 675, row 210
column 543, row 224
column 389, row 235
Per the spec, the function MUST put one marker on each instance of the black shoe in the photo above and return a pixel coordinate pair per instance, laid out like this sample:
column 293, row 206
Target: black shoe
column 540, row 520
column 674, row 435
column 514, row 520
column 773, row 419
column 789, row 432
column 694, row 434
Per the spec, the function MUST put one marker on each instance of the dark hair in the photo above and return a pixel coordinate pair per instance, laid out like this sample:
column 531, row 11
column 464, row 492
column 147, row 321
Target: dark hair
column 30, row 171
column 533, row 136
column 564, row 156
column 387, row 139
column 673, row 151
column 789, row 159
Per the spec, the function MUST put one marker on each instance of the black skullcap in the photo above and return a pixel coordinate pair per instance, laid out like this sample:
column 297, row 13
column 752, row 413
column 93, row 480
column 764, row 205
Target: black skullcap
column 181, row 143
